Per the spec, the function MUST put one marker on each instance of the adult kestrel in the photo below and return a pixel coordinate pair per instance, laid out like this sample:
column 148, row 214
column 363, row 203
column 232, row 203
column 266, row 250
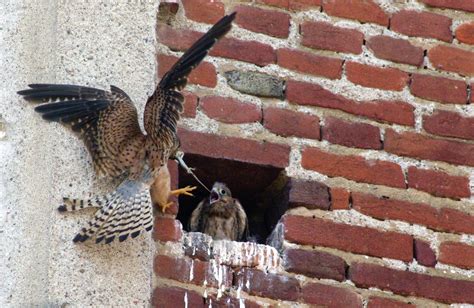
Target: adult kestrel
column 107, row 122
column 220, row 216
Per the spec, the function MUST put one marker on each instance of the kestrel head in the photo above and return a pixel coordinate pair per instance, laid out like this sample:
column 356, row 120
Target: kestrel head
column 218, row 191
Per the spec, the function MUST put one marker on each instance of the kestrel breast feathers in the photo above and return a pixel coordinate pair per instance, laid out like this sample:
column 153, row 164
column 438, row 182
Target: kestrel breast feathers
column 108, row 124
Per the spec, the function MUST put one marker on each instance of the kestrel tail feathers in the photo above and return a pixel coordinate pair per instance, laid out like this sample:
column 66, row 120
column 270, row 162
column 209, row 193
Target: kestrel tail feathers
column 108, row 124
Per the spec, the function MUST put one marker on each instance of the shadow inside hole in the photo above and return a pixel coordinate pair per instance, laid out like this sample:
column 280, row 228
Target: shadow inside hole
column 260, row 190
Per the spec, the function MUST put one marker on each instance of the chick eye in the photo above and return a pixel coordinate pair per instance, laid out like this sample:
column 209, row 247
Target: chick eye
column 223, row 192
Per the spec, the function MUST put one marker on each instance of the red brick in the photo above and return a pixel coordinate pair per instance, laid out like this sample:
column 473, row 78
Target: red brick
column 295, row 5
column 310, row 194
column 233, row 148
column 259, row 20
column 424, row 147
column 450, row 124
column 406, row 283
column 303, row 93
column 351, row 134
column 316, row 264
column 364, row 11
column 457, row 254
column 396, row 50
column 424, row 255
column 465, row 33
column 323, row 35
column 167, row 229
column 444, row 219
column 192, row 271
column 247, row 51
column 330, row 296
column 172, row 297
column 360, row 240
column 229, row 110
column 439, row 89
column 451, row 4
column 438, row 183
column 190, row 104
column 452, row 59
column 382, row 302
column 423, row 24
column 287, row 123
column 225, row 300
column 354, row 168
column 339, row 198
column 269, row 285
column 208, row 11
column 204, row 74
column 309, row 63
column 376, row 77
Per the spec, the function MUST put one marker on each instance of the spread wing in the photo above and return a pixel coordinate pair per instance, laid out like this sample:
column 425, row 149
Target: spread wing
column 165, row 105
column 106, row 121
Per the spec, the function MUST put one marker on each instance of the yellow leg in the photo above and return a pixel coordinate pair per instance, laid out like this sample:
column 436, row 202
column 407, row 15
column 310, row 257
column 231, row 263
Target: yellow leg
column 183, row 191
column 164, row 207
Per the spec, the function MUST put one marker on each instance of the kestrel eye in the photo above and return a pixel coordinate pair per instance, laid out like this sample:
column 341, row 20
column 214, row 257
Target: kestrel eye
column 223, row 192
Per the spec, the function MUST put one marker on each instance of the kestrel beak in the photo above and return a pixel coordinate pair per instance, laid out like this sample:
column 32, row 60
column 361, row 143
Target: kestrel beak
column 214, row 197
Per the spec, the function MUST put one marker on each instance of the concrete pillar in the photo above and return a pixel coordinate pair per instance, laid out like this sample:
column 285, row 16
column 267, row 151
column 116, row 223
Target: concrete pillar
column 95, row 43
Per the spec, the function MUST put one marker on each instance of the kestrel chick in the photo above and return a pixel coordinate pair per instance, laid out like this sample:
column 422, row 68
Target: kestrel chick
column 220, row 216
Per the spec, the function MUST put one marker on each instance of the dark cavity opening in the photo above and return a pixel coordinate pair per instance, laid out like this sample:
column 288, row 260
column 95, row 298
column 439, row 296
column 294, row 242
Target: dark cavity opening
column 260, row 190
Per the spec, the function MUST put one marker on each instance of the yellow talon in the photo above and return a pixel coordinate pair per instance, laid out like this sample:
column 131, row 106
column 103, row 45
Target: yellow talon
column 164, row 207
column 184, row 191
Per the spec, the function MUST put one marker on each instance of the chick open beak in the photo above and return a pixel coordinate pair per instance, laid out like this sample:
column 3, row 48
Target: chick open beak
column 214, row 197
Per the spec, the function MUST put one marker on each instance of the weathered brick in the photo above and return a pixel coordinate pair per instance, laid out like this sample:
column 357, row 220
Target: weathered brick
column 255, row 83
column 269, row 22
column 284, row 4
column 465, row 33
column 295, row 5
column 439, row 89
column 438, row 183
column 309, row 63
column 303, row 93
column 452, row 59
column 444, row 219
column 450, row 124
column 233, row 148
column 287, row 123
column 354, row 168
column 383, row 302
column 396, row 50
column 423, row 24
column 406, row 283
column 329, row 296
column 323, row 35
column 451, row 4
column 424, row 147
column 172, row 297
column 317, row 264
column 364, row 11
column 226, row 300
column 269, row 285
column 190, row 104
column 424, row 255
column 360, row 240
column 351, row 134
column 167, row 229
column 339, row 198
column 229, row 110
column 228, row 47
column 457, row 254
column 310, row 194
column 204, row 74
column 376, row 77
column 208, row 11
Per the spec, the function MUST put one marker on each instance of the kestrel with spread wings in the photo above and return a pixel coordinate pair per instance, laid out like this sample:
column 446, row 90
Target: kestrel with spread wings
column 220, row 215
column 108, row 124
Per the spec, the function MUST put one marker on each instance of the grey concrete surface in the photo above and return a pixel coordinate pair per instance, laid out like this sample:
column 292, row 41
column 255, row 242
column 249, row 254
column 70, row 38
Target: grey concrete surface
column 94, row 43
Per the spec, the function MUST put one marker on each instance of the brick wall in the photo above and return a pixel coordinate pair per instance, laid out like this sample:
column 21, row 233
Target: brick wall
column 368, row 102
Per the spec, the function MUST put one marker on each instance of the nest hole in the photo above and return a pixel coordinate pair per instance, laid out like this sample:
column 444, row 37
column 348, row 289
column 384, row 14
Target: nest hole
column 260, row 190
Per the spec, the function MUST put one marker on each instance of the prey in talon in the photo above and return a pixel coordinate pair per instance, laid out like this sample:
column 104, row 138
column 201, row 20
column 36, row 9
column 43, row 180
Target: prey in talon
column 107, row 122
